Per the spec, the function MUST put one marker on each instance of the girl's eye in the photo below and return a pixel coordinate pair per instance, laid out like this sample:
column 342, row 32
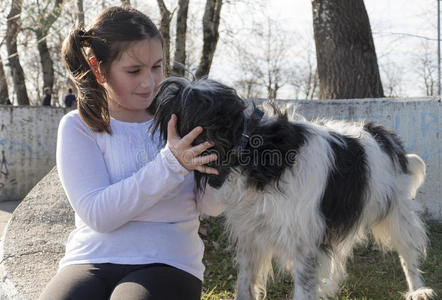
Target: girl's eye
column 157, row 67
column 133, row 72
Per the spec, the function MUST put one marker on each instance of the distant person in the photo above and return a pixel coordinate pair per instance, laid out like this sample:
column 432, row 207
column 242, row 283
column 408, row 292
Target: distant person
column 69, row 99
column 47, row 98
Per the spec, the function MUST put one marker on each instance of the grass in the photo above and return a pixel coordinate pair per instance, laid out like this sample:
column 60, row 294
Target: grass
column 373, row 275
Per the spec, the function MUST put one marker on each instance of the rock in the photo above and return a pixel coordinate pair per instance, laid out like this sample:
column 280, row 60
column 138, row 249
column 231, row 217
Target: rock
column 34, row 240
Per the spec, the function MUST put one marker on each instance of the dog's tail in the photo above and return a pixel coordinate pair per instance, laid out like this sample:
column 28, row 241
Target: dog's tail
column 417, row 170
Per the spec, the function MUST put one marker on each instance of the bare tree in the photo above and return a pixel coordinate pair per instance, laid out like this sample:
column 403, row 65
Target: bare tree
column 427, row 69
column 392, row 78
column 125, row 2
column 80, row 14
column 43, row 22
column 263, row 62
column 56, row 38
column 4, row 93
column 305, row 81
column 311, row 82
column 346, row 56
column 276, row 51
column 211, row 20
column 304, row 76
column 248, row 88
column 166, row 18
column 179, row 61
column 13, row 28
column 192, row 43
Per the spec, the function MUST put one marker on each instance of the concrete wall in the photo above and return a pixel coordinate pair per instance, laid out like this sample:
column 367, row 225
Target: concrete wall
column 417, row 121
column 28, row 138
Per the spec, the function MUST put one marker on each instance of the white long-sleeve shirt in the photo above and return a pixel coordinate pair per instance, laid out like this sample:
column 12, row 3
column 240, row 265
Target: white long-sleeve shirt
column 134, row 203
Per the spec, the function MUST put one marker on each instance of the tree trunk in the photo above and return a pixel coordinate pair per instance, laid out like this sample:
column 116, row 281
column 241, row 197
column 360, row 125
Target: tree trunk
column 166, row 17
column 179, row 61
column 313, row 82
column 41, row 32
column 211, row 20
column 272, row 87
column 4, row 94
column 80, row 15
column 125, row 2
column 13, row 28
column 346, row 56
column 46, row 61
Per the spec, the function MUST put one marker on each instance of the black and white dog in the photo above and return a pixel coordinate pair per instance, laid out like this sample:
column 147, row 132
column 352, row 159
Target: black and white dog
column 302, row 192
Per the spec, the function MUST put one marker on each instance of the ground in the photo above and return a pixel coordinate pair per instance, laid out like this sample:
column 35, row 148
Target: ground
column 6, row 209
column 372, row 274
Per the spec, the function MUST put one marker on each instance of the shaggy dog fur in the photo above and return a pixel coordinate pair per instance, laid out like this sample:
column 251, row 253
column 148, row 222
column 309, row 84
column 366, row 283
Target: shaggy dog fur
column 304, row 193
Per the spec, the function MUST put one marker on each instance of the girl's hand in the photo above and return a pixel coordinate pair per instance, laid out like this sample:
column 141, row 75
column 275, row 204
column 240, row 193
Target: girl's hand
column 188, row 155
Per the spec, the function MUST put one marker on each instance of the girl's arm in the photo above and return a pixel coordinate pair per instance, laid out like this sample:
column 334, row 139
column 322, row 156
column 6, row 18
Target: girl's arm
column 101, row 205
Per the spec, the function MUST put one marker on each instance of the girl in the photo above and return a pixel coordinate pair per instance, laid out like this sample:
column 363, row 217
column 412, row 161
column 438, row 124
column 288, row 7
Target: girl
column 136, row 213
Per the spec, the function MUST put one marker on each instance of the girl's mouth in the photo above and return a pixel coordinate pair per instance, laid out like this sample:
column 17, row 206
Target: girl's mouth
column 143, row 95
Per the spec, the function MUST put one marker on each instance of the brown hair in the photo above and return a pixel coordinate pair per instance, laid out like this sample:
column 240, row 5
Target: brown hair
column 106, row 39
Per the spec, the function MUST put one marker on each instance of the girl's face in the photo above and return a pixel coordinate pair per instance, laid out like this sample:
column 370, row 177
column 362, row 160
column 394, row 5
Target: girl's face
column 132, row 80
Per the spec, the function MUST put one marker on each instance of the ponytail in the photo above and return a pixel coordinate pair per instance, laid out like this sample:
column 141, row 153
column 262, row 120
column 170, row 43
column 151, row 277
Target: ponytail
column 91, row 103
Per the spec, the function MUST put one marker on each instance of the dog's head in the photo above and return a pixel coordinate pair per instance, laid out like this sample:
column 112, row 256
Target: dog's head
column 211, row 105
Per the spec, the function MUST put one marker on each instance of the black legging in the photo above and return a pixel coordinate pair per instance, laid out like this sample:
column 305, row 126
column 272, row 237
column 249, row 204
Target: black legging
column 122, row 282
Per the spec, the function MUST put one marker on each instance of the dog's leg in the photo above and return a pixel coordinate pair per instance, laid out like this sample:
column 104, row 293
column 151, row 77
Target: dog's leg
column 416, row 288
column 404, row 232
column 255, row 266
column 409, row 256
column 306, row 278
column 330, row 273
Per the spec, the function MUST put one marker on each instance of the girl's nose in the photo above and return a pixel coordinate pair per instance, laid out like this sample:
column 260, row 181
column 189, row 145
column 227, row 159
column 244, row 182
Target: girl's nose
column 148, row 81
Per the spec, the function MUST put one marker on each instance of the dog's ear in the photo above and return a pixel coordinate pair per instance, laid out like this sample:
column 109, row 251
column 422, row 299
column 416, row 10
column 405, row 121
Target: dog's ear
column 166, row 102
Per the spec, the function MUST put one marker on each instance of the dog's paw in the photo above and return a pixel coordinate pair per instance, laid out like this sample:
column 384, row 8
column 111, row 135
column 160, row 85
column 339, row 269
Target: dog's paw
column 420, row 294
